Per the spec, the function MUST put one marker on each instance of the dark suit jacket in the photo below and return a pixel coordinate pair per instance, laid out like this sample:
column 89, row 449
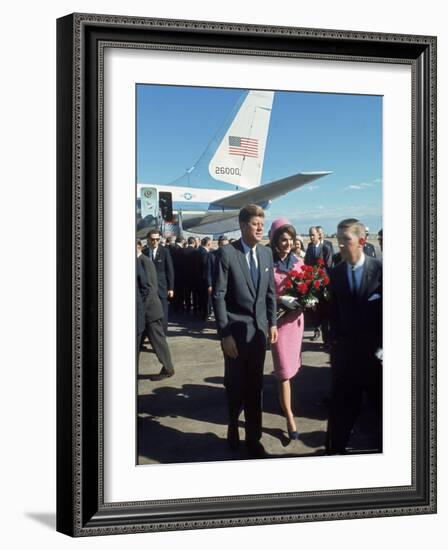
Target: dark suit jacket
column 369, row 249
column 153, row 305
column 190, row 265
column 204, row 266
column 240, row 309
column 141, row 293
column 329, row 244
column 165, row 270
column 325, row 252
column 176, row 255
column 356, row 322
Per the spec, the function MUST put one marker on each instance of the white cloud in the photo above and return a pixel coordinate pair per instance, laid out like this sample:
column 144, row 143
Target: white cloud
column 359, row 186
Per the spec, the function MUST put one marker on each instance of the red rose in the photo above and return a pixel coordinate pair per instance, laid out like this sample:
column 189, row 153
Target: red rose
column 326, row 280
column 303, row 288
column 320, row 261
column 316, row 285
column 301, row 275
column 321, row 272
column 288, row 284
column 294, row 274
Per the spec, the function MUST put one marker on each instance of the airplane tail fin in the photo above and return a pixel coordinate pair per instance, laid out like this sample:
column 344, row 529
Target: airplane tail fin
column 239, row 157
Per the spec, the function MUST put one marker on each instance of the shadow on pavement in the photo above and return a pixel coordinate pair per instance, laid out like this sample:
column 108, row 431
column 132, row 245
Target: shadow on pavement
column 166, row 445
column 201, row 403
column 309, row 389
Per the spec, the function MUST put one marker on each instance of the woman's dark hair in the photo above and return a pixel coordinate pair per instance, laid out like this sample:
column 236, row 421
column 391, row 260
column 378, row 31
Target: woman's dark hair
column 278, row 233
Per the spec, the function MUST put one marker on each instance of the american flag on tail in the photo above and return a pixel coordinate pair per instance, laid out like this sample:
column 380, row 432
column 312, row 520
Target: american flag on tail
column 243, row 146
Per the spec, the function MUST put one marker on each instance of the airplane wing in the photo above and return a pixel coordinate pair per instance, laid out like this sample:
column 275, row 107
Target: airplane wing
column 264, row 193
column 213, row 222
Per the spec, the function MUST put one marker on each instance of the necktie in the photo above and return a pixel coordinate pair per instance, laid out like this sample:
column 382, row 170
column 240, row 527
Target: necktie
column 253, row 268
column 354, row 289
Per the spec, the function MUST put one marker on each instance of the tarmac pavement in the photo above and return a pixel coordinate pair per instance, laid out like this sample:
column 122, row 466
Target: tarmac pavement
column 184, row 418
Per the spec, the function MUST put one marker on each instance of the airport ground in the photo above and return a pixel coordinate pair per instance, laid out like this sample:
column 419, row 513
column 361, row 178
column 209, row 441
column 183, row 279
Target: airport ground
column 183, row 418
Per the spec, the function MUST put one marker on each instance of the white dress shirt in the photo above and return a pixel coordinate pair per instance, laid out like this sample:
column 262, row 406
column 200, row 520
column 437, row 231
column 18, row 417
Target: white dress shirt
column 247, row 250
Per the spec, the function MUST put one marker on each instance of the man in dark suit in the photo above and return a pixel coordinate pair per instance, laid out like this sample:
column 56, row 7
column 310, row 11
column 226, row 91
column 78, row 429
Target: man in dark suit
column 356, row 337
column 147, row 279
column 161, row 257
column 369, row 249
column 142, row 284
column 326, row 244
column 318, row 249
column 190, row 265
column 245, row 311
column 177, row 255
column 204, row 283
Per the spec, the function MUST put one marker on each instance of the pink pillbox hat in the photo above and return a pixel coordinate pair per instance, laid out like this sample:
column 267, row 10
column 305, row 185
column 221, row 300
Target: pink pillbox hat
column 279, row 222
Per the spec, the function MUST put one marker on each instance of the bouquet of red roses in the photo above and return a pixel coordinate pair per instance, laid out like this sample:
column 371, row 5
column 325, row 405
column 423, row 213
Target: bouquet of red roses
column 305, row 288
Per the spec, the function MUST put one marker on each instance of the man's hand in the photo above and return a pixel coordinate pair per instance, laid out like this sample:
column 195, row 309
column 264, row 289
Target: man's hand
column 170, row 293
column 209, row 289
column 274, row 334
column 379, row 354
column 229, row 348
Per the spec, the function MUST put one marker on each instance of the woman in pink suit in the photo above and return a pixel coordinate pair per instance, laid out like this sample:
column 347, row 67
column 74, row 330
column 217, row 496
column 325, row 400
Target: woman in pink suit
column 286, row 353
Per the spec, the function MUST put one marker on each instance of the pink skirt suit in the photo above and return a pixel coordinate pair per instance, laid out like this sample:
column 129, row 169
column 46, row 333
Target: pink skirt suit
column 286, row 352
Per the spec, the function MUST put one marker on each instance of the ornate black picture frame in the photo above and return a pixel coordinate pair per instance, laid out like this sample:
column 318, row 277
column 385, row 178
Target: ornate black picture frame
column 81, row 509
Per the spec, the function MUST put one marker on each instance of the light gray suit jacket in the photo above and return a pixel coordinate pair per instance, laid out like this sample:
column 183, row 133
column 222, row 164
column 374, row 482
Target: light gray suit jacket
column 241, row 309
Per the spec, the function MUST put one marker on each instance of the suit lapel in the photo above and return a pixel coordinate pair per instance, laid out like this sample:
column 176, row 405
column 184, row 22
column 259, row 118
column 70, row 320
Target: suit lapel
column 261, row 267
column 366, row 278
column 244, row 267
column 345, row 287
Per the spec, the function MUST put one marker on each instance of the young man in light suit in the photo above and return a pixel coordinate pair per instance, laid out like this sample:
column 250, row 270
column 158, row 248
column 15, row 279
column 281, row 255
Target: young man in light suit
column 245, row 311
column 356, row 337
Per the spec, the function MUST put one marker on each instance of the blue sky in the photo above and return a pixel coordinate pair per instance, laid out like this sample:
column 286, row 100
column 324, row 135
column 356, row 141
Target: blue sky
column 308, row 132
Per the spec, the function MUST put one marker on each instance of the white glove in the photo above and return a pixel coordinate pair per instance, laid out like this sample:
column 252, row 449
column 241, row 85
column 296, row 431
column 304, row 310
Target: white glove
column 379, row 354
column 289, row 302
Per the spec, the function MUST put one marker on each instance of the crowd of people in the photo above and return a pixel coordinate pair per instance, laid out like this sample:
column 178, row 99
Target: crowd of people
column 243, row 283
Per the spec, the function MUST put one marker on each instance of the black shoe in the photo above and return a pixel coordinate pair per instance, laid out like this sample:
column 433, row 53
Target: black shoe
column 255, row 449
column 233, row 437
column 162, row 375
column 316, row 335
column 294, row 436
